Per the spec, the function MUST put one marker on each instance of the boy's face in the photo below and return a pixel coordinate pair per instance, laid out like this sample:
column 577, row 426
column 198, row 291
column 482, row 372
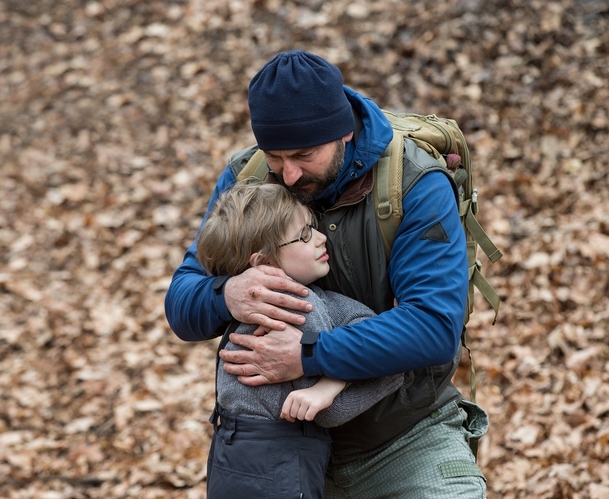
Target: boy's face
column 304, row 262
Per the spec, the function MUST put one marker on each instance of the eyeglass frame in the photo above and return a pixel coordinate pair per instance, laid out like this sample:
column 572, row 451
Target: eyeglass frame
column 302, row 238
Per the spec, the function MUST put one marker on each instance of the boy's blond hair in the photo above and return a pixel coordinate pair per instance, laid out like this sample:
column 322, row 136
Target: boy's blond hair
column 250, row 217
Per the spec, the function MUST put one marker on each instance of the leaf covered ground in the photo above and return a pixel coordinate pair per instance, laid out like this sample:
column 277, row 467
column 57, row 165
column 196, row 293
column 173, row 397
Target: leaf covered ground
column 117, row 116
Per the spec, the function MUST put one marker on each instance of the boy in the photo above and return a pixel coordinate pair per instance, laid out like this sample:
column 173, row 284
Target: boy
column 255, row 453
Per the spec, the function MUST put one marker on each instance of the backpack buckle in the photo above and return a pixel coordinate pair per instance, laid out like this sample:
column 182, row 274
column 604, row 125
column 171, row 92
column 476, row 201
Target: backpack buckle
column 475, row 201
column 384, row 210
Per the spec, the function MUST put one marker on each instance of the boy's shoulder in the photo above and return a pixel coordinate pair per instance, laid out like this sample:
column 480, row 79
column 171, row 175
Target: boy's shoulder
column 316, row 296
column 333, row 300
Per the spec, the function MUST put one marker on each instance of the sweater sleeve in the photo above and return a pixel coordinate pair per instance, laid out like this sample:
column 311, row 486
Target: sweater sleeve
column 194, row 309
column 361, row 395
column 357, row 398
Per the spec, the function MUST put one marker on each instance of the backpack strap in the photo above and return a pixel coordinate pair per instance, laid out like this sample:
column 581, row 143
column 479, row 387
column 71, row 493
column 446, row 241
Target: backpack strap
column 230, row 328
column 255, row 167
column 388, row 190
column 467, row 211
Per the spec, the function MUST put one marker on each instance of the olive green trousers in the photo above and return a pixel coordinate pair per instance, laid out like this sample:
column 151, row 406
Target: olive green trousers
column 432, row 461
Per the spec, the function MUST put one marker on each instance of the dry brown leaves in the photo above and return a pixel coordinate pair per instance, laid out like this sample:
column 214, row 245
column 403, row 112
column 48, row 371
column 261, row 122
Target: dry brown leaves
column 117, row 116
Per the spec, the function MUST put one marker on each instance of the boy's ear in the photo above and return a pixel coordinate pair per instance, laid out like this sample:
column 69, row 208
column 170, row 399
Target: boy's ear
column 259, row 259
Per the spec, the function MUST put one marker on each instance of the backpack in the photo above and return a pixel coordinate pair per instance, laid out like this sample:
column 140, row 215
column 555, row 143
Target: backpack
column 443, row 139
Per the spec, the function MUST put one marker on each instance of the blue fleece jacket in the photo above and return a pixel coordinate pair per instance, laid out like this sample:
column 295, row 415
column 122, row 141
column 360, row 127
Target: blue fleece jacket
column 429, row 279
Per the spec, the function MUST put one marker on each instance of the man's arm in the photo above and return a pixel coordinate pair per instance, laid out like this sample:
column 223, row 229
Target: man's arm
column 194, row 309
column 429, row 278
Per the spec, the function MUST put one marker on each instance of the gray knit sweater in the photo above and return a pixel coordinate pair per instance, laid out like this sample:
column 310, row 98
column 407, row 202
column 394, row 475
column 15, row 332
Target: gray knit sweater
column 330, row 309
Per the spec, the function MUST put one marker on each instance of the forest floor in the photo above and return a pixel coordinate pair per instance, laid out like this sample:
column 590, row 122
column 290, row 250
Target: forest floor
column 117, row 116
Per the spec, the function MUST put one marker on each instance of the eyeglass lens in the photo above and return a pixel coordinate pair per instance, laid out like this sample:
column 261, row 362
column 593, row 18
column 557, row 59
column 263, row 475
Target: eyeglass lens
column 306, row 233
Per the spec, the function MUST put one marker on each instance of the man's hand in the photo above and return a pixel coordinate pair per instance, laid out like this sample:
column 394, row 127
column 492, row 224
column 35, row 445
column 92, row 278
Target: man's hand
column 253, row 298
column 272, row 358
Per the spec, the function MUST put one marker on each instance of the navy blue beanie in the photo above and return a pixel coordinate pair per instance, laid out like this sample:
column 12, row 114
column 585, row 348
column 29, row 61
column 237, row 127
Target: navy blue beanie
column 297, row 100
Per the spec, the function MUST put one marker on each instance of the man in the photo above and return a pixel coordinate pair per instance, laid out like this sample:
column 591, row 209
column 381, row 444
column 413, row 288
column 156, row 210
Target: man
column 322, row 140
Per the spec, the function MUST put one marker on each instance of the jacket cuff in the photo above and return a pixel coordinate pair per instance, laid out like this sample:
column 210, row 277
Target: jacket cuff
column 309, row 366
column 218, row 298
column 308, row 340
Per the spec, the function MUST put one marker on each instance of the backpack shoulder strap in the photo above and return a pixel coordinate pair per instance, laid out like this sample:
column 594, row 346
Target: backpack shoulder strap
column 388, row 190
column 255, row 167
column 440, row 138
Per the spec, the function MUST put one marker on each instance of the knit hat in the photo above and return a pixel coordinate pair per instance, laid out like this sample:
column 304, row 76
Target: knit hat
column 297, row 100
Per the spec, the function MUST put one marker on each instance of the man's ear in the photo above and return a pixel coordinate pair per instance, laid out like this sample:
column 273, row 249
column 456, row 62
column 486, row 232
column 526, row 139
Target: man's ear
column 259, row 259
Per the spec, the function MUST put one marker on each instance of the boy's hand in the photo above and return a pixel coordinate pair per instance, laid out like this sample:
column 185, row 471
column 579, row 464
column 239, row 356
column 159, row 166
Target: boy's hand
column 306, row 403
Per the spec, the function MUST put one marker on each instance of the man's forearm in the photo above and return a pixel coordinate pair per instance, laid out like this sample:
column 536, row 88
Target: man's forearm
column 193, row 309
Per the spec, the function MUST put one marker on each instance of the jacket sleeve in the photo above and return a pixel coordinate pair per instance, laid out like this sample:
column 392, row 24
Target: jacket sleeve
column 429, row 278
column 193, row 308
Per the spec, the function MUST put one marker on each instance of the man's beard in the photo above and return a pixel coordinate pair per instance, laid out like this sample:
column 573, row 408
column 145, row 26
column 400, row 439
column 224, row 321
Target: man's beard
column 320, row 184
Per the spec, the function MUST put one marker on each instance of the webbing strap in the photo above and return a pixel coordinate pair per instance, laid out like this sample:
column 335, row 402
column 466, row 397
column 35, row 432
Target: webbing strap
column 255, row 167
column 388, row 177
column 475, row 229
column 473, row 442
column 486, row 290
column 472, row 370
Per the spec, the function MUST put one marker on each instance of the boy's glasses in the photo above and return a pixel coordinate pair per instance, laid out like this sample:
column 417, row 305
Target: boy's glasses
column 306, row 233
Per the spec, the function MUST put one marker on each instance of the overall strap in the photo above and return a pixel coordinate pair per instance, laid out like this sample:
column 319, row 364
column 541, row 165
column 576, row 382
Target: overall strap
column 230, row 328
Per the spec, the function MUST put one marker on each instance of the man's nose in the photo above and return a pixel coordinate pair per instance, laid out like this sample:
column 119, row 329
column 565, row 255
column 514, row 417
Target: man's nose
column 291, row 172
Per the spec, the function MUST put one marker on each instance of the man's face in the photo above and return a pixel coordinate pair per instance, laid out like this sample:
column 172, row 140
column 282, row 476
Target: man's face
column 308, row 172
